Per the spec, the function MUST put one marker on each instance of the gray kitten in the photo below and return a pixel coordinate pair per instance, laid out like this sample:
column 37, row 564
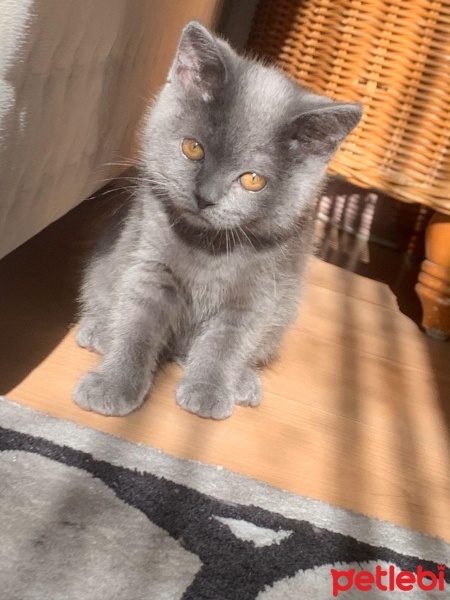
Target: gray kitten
column 208, row 265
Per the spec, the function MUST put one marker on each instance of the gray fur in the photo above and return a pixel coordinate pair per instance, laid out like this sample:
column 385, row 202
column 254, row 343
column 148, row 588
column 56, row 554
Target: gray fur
column 214, row 287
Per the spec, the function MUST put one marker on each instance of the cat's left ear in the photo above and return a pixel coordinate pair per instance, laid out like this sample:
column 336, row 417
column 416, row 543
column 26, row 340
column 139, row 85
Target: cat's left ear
column 320, row 132
column 198, row 65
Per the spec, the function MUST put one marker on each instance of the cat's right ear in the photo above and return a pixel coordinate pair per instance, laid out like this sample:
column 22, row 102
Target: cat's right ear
column 198, row 64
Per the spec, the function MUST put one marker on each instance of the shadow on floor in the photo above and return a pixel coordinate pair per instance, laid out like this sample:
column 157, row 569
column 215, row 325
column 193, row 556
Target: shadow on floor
column 375, row 261
column 39, row 283
column 384, row 263
column 369, row 233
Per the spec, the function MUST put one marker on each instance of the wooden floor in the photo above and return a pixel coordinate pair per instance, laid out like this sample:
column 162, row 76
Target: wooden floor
column 355, row 412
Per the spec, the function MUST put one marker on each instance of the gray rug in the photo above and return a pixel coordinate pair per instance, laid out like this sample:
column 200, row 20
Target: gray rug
column 87, row 516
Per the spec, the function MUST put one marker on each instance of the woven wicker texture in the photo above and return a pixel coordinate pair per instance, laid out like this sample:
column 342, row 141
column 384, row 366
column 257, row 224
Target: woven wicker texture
column 394, row 57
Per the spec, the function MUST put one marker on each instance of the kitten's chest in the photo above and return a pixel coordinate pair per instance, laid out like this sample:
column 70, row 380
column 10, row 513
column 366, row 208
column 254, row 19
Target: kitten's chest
column 208, row 281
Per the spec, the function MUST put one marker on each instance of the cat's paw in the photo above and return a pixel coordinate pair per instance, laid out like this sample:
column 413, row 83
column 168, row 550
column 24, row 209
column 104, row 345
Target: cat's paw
column 100, row 394
column 205, row 399
column 90, row 335
column 249, row 389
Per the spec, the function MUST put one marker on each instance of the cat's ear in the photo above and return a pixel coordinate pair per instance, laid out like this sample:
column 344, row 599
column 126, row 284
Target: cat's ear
column 319, row 132
column 198, row 64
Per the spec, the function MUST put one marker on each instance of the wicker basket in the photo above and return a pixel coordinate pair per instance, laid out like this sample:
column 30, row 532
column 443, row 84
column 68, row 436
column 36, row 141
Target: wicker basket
column 394, row 57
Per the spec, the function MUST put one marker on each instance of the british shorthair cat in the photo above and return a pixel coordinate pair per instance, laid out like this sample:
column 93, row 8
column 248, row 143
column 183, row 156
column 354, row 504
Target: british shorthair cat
column 208, row 265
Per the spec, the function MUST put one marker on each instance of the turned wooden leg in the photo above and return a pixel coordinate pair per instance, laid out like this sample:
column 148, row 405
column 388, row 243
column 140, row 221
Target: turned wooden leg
column 411, row 220
column 433, row 287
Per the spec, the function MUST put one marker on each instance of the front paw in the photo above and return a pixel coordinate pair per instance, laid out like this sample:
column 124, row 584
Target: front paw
column 101, row 394
column 249, row 388
column 205, row 399
column 90, row 335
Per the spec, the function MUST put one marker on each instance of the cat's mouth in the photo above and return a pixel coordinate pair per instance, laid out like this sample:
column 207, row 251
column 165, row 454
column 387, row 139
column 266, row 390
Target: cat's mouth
column 190, row 217
column 197, row 217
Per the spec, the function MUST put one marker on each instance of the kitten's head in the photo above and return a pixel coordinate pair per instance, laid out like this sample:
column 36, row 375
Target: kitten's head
column 232, row 143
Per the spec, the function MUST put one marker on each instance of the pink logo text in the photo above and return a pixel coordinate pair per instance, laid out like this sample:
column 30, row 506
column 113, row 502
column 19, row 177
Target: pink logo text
column 388, row 580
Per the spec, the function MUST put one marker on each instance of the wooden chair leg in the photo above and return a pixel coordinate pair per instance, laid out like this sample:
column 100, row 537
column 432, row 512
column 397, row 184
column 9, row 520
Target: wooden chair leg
column 433, row 287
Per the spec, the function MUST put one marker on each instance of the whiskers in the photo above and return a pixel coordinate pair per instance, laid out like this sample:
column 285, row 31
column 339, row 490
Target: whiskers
column 131, row 180
column 133, row 173
column 242, row 231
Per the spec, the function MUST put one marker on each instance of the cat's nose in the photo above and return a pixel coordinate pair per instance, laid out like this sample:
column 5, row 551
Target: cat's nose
column 202, row 202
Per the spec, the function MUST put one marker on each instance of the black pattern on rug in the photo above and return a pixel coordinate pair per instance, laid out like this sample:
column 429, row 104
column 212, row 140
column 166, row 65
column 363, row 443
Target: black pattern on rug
column 232, row 568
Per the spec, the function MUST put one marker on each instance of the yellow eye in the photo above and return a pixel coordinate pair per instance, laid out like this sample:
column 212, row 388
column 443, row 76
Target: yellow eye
column 252, row 182
column 192, row 149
